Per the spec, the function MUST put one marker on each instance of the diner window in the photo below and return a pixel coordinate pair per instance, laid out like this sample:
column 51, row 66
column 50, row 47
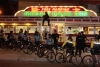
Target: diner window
column 32, row 29
column 21, row 27
column 73, row 30
column 7, row 29
column 90, row 30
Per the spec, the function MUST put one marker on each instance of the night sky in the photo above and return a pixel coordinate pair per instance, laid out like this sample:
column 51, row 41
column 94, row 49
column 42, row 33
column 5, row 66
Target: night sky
column 8, row 7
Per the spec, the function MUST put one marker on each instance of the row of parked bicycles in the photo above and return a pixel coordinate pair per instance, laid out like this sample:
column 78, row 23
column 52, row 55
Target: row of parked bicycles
column 61, row 56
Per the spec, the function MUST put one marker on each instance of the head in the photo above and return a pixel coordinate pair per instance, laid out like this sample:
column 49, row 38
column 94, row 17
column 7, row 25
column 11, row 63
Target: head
column 49, row 35
column 25, row 32
column 55, row 31
column 11, row 32
column 82, row 32
column 79, row 33
column 46, row 13
column 21, row 30
column 96, row 36
column 99, row 32
column 2, row 31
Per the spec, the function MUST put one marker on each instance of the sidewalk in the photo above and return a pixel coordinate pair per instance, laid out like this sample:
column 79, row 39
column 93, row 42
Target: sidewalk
column 20, row 56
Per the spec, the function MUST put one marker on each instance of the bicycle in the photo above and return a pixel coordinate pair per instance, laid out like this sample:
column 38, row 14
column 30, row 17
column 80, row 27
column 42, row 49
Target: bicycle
column 89, row 60
column 49, row 53
column 68, row 56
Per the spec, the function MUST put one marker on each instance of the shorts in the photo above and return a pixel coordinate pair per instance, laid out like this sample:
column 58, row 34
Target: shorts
column 70, row 51
column 69, row 46
column 96, row 49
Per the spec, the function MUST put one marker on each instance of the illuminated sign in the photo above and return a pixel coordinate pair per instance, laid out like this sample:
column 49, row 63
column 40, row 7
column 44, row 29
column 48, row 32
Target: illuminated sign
column 56, row 11
column 57, row 14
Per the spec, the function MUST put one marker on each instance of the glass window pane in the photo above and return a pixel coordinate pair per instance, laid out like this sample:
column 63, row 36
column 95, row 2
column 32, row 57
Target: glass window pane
column 21, row 27
column 32, row 29
column 7, row 29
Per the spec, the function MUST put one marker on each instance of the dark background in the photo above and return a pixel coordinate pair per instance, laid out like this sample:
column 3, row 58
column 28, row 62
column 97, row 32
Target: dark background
column 8, row 7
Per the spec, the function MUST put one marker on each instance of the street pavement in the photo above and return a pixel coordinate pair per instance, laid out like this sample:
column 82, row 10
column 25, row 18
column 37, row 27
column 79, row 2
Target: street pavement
column 10, row 58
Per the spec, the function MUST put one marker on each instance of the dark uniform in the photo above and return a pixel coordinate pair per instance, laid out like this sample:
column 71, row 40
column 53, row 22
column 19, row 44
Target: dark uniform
column 55, row 36
column 84, row 45
column 79, row 43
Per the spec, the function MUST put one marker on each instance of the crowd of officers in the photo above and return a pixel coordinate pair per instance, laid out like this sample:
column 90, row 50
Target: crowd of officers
column 52, row 39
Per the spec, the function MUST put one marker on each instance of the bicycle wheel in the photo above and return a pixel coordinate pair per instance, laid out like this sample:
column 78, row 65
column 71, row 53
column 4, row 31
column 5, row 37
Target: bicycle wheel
column 51, row 57
column 76, row 60
column 88, row 61
column 30, row 50
column 59, row 57
column 18, row 48
column 40, row 52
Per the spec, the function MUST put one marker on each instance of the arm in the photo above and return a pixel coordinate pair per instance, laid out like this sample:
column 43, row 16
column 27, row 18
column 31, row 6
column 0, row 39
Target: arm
column 74, row 44
column 64, row 43
column 92, row 44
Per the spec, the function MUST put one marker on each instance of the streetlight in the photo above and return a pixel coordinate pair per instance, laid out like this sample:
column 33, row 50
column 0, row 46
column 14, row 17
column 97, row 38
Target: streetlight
column 0, row 12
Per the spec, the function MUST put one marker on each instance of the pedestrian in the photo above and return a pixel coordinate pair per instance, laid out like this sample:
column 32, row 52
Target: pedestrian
column 46, row 18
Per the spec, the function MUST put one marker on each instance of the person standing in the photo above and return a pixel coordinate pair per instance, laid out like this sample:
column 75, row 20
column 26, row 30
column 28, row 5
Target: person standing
column 37, row 38
column 79, row 43
column 50, row 42
column 45, row 34
column 55, row 36
column 25, row 38
column 84, row 40
column 20, row 35
column 46, row 18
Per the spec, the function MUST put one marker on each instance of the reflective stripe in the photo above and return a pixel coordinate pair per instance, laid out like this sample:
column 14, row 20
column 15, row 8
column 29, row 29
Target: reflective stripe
column 70, row 42
column 96, row 42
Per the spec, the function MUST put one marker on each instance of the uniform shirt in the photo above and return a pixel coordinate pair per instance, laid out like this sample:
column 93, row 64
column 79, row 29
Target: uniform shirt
column 25, row 37
column 1, row 35
column 79, row 39
column 50, row 41
column 74, row 44
column 45, row 33
column 11, row 36
column 55, row 36
column 84, row 37
column 20, row 34
column 94, row 42
column 37, row 38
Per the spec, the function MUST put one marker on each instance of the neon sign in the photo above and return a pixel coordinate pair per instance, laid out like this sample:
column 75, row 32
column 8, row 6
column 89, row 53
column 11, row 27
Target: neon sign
column 56, row 11
column 56, row 14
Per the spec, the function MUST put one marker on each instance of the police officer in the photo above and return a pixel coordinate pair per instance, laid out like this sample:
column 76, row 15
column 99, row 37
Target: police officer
column 79, row 43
